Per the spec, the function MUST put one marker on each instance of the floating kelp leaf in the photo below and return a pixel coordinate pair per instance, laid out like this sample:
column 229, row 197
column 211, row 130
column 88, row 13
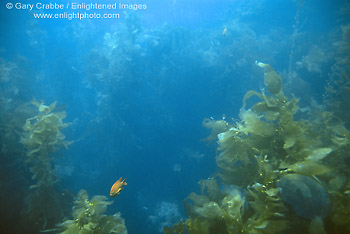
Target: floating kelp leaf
column 309, row 168
column 271, row 115
column 234, row 205
column 198, row 200
column 90, row 226
column 61, row 115
column 27, row 126
column 307, row 197
column 253, row 124
column 272, row 192
column 52, row 106
column 209, row 210
column 34, row 186
column 33, row 151
column 47, row 109
column 99, row 204
column 279, row 215
column 319, row 154
column 269, row 103
column 292, row 106
column 341, row 135
column 260, row 107
column 250, row 94
column 35, row 103
column 265, row 169
column 224, row 137
column 64, row 125
column 289, row 142
column 216, row 126
column 211, row 187
column 112, row 224
column 39, row 130
column 231, row 190
column 262, row 225
column 66, row 144
column 273, row 81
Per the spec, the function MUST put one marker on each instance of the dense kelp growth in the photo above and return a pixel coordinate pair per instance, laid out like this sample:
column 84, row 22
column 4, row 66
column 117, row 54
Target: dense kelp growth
column 41, row 137
column 278, row 172
column 338, row 89
column 338, row 106
column 89, row 217
column 46, row 202
column 137, row 89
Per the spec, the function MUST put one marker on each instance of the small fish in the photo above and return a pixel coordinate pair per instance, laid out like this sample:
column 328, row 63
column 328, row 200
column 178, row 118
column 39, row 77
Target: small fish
column 224, row 32
column 117, row 187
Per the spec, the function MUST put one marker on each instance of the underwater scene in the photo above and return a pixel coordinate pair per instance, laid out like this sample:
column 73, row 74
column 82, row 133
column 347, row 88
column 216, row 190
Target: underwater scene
column 175, row 116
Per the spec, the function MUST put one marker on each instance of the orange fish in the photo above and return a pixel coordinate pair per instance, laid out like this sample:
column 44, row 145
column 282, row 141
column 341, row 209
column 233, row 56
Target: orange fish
column 117, row 187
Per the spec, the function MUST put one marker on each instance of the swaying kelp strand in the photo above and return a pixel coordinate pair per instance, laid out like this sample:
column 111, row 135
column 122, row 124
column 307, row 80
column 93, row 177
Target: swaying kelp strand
column 271, row 161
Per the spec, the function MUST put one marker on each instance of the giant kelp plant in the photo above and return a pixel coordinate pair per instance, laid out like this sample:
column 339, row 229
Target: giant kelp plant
column 42, row 137
column 338, row 89
column 89, row 217
column 278, row 173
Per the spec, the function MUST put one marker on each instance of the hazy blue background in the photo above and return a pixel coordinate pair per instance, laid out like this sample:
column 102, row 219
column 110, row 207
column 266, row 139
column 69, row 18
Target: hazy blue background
column 137, row 98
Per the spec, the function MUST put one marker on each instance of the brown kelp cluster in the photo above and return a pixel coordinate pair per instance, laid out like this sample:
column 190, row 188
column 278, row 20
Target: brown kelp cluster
column 339, row 106
column 89, row 217
column 278, row 173
column 338, row 89
column 46, row 205
column 42, row 137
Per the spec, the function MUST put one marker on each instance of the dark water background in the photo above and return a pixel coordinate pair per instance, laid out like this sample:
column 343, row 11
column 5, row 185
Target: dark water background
column 137, row 109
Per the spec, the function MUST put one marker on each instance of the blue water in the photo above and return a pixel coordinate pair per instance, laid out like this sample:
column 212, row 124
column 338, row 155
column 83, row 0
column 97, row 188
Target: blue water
column 136, row 101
